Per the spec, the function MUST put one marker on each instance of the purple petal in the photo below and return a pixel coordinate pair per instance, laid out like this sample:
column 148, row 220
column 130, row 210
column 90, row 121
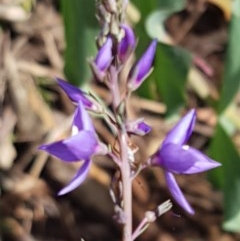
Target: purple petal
column 145, row 62
column 78, row 179
column 78, row 147
column 104, row 56
column 138, row 127
column 143, row 128
column 184, row 160
column 74, row 93
column 82, row 120
column 177, row 193
column 202, row 162
column 182, row 130
column 141, row 69
column 127, row 44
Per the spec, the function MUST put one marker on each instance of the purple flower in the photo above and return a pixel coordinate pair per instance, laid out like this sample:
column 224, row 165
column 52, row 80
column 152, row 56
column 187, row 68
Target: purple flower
column 127, row 44
column 104, row 55
column 103, row 59
column 142, row 68
column 75, row 95
column 176, row 157
column 138, row 127
column 82, row 145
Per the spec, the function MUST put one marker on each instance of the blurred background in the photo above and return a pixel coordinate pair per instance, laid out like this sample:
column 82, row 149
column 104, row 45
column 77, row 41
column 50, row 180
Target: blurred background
column 197, row 65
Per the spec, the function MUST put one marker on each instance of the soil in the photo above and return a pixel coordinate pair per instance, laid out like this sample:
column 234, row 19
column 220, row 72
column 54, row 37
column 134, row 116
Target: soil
column 33, row 110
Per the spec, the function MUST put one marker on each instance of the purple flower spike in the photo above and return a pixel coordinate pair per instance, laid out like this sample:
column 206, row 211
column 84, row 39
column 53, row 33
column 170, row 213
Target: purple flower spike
column 82, row 145
column 142, row 68
column 176, row 157
column 127, row 44
column 104, row 56
column 138, row 127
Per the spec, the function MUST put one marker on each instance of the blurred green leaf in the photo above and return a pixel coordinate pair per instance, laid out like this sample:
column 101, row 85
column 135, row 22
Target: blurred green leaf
column 146, row 8
column 231, row 76
column 172, row 4
column 148, row 88
column 81, row 28
column 227, row 177
column 155, row 25
column 28, row 5
column 171, row 70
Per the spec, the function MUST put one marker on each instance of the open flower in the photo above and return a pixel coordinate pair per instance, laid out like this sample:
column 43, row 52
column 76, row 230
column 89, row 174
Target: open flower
column 81, row 146
column 176, row 157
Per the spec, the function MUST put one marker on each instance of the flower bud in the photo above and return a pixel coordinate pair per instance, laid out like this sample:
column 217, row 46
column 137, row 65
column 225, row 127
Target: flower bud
column 111, row 6
column 127, row 44
column 142, row 68
column 103, row 60
column 104, row 55
column 75, row 95
column 138, row 127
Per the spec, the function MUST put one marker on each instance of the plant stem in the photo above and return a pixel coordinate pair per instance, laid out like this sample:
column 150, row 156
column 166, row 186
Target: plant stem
column 140, row 228
column 127, row 188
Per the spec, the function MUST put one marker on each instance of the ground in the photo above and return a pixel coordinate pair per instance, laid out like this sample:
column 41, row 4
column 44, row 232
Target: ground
column 33, row 110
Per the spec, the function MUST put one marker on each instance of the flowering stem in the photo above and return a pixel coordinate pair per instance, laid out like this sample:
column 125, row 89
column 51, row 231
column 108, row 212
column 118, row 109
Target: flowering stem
column 127, row 188
column 140, row 228
column 114, row 87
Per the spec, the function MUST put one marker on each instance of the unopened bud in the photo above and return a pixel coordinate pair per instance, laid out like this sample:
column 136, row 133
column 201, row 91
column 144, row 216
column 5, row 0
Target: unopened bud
column 75, row 95
column 142, row 68
column 103, row 60
column 138, row 127
column 127, row 44
column 111, row 6
column 104, row 56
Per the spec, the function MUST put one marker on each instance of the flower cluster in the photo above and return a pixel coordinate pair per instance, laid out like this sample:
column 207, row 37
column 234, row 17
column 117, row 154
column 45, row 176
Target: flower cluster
column 174, row 156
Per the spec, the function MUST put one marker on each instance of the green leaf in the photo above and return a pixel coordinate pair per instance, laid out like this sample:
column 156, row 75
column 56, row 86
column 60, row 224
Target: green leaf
column 155, row 25
column 171, row 70
column 148, row 88
column 227, row 177
column 172, row 4
column 145, row 7
column 81, row 28
column 232, row 65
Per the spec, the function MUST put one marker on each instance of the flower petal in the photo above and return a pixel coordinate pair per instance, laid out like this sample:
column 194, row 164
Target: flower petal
column 138, row 127
column 182, row 130
column 145, row 62
column 173, row 158
column 81, row 120
column 184, row 160
column 74, row 93
column 141, row 69
column 177, row 193
column 202, row 162
column 78, row 179
column 127, row 44
column 104, row 55
column 77, row 147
